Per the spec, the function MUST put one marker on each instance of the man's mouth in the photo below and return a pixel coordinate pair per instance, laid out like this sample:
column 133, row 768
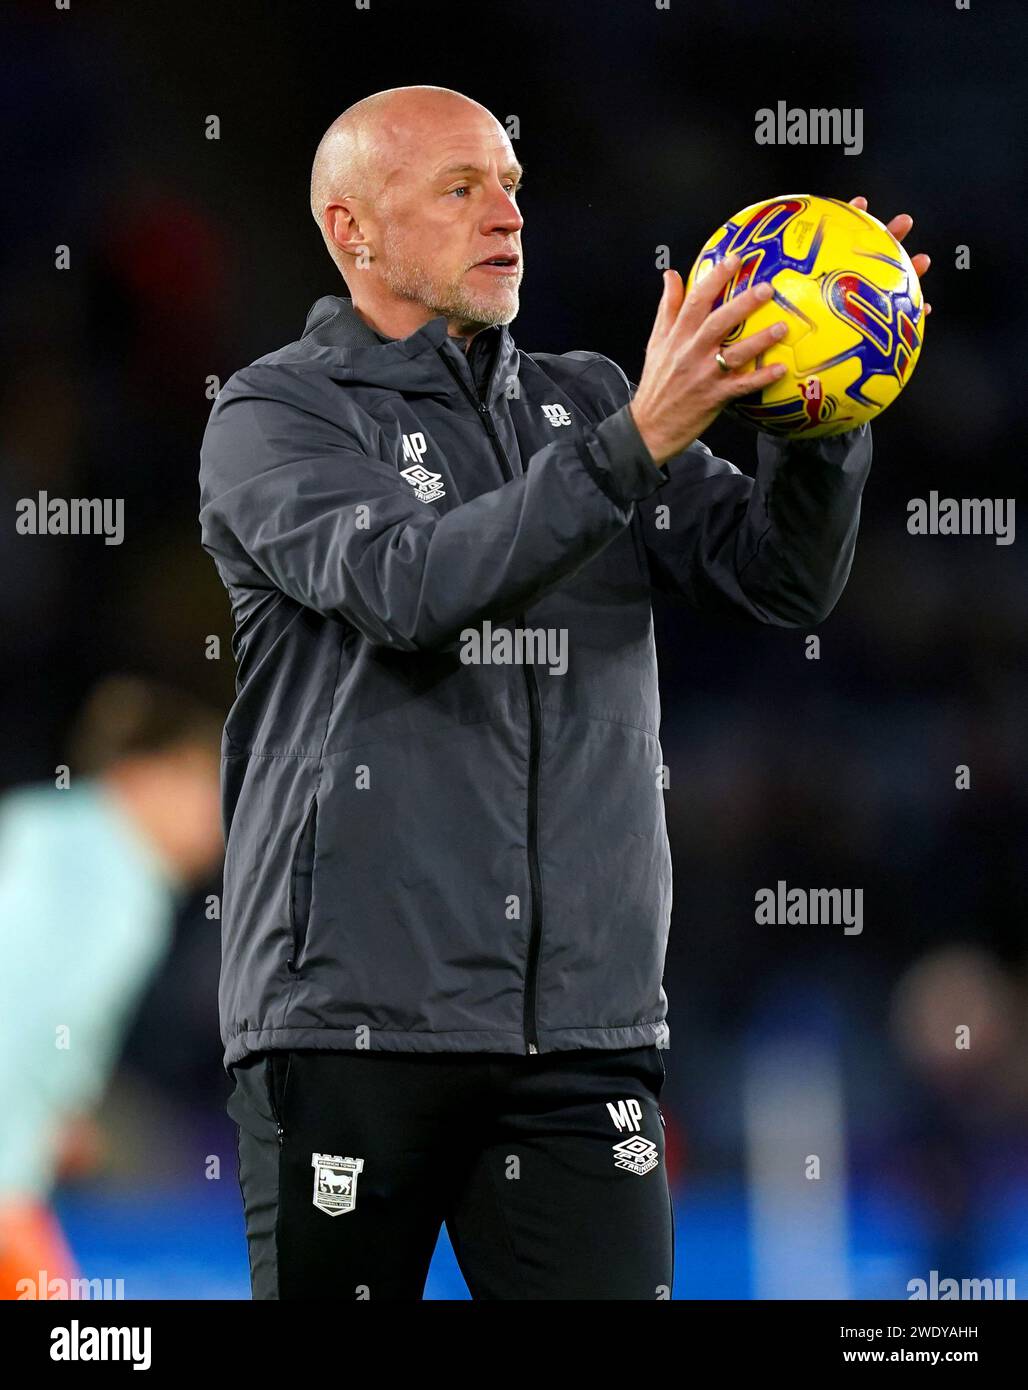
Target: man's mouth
column 502, row 264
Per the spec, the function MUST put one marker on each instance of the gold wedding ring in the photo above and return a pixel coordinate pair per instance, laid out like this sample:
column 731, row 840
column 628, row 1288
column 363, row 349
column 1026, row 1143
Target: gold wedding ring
column 719, row 358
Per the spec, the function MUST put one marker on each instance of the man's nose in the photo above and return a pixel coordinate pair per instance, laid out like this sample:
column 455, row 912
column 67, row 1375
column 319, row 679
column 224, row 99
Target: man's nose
column 503, row 212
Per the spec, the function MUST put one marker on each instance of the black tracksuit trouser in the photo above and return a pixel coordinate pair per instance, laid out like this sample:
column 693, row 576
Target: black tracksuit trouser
column 547, row 1169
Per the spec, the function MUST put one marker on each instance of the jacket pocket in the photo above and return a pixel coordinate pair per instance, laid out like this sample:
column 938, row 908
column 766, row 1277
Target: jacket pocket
column 301, row 883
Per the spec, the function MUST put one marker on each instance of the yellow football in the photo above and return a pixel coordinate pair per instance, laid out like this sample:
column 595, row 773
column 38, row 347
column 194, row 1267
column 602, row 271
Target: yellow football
column 850, row 297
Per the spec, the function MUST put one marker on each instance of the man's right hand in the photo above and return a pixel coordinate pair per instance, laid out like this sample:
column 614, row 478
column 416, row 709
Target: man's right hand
column 682, row 388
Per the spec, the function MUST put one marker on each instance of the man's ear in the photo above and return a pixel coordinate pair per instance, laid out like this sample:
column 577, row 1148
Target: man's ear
column 342, row 225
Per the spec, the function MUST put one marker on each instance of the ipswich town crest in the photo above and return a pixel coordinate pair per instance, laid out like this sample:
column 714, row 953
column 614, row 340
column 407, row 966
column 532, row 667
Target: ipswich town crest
column 335, row 1182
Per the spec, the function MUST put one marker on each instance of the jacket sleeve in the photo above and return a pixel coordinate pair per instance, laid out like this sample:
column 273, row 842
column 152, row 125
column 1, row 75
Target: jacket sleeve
column 775, row 549
column 284, row 488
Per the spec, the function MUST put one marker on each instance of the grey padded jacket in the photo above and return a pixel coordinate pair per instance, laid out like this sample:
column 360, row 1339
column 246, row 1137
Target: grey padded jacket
column 426, row 852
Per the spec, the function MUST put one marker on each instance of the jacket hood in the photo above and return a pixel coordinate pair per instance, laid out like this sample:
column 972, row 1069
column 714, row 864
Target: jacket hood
column 423, row 363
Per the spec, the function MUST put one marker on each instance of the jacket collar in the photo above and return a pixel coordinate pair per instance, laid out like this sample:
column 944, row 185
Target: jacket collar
column 414, row 363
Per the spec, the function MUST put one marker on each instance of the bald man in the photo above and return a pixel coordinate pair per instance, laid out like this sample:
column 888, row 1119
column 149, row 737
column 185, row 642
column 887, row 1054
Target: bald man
column 447, row 880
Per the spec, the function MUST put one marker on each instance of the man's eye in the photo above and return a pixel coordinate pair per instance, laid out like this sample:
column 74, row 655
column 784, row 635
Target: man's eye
column 512, row 188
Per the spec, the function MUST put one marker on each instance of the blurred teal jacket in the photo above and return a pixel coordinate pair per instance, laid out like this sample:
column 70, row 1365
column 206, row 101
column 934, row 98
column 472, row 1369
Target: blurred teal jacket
column 86, row 912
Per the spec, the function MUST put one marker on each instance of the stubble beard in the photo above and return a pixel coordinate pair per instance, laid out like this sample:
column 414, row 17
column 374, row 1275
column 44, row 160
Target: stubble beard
column 455, row 299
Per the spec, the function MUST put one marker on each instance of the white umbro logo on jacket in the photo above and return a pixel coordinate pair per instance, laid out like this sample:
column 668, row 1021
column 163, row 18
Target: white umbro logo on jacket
column 427, row 486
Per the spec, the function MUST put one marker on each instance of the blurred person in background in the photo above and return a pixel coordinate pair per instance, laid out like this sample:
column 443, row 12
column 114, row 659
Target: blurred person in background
column 91, row 871
column 957, row 1020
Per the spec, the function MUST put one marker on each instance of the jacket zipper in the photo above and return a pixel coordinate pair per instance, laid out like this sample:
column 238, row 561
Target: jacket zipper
column 274, row 1100
column 535, row 936
column 529, row 1024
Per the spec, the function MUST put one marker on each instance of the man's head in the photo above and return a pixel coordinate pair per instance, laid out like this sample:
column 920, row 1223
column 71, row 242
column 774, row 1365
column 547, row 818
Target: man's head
column 157, row 750
column 413, row 189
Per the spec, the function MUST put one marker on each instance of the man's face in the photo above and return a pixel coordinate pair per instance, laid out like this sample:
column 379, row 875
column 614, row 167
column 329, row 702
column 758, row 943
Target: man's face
column 448, row 205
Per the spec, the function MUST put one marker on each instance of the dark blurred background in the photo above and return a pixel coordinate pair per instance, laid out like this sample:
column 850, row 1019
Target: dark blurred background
column 191, row 257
